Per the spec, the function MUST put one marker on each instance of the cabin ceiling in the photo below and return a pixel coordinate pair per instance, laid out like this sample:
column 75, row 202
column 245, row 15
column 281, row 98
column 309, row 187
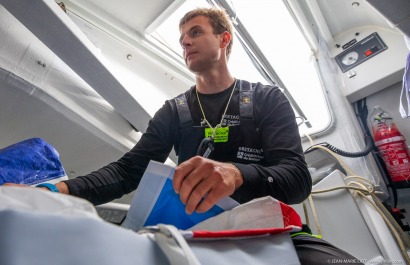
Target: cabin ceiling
column 345, row 15
column 134, row 15
column 138, row 15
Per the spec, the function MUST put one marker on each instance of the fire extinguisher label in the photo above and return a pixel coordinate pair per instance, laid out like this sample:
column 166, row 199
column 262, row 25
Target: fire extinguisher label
column 390, row 140
column 397, row 160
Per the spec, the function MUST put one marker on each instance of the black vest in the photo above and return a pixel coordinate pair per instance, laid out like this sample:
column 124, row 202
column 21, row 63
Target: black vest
column 243, row 146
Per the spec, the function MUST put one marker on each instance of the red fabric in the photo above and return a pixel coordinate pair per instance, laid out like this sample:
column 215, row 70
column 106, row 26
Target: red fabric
column 239, row 233
column 290, row 216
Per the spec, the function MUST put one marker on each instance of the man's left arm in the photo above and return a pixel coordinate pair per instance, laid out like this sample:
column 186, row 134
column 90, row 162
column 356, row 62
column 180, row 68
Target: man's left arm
column 283, row 174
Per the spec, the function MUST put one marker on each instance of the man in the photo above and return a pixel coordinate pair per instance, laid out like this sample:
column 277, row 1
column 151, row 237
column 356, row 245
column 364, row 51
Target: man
column 260, row 156
column 249, row 130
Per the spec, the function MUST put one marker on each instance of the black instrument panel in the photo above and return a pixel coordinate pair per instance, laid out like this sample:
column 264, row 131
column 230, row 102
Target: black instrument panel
column 360, row 52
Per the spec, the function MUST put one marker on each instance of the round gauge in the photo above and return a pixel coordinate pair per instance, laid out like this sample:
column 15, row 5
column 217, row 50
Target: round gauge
column 350, row 58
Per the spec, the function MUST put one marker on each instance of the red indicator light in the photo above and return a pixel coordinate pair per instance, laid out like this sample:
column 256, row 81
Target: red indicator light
column 368, row 53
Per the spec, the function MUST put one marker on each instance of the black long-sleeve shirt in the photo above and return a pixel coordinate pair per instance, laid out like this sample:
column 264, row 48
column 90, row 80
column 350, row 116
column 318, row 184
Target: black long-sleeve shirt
column 268, row 152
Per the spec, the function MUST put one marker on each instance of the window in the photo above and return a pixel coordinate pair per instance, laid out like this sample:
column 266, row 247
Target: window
column 279, row 40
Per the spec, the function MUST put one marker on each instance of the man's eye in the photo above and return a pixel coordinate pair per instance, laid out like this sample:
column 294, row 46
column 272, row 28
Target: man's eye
column 195, row 33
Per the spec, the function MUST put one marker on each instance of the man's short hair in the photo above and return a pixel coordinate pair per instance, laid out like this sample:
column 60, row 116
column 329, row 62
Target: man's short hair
column 218, row 18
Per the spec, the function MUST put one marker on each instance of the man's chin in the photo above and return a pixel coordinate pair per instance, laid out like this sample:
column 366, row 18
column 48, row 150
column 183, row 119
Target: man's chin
column 196, row 66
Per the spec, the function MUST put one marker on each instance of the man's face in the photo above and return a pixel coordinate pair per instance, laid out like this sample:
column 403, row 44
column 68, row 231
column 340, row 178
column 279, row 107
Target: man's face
column 201, row 47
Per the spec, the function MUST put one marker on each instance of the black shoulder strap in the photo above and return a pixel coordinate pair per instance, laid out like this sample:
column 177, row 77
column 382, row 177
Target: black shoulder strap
column 245, row 100
column 183, row 109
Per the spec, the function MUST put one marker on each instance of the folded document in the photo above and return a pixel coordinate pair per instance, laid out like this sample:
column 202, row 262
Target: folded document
column 155, row 202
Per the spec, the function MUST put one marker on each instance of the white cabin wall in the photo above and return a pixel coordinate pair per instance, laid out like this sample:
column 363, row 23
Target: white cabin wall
column 378, row 79
column 334, row 23
column 63, row 110
column 344, row 132
column 51, row 102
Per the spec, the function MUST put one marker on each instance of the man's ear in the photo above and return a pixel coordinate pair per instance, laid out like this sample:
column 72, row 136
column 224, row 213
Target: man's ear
column 225, row 40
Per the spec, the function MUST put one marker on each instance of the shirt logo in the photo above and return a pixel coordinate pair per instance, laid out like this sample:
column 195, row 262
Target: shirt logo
column 246, row 100
column 180, row 101
column 250, row 154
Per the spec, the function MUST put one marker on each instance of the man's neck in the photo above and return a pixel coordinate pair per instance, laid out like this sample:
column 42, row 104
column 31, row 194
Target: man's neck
column 211, row 84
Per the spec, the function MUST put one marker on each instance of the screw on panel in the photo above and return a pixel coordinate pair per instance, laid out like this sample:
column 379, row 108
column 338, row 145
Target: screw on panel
column 61, row 4
column 351, row 74
column 41, row 63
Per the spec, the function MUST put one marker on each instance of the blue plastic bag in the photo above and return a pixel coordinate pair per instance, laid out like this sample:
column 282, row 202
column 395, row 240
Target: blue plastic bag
column 30, row 162
column 169, row 209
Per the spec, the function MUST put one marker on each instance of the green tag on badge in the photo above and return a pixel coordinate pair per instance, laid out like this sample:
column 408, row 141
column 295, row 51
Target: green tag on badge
column 221, row 135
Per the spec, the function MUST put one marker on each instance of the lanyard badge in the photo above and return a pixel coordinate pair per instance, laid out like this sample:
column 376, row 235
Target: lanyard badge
column 207, row 145
column 220, row 134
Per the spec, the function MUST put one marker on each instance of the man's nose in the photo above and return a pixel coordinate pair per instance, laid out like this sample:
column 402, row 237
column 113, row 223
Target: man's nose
column 186, row 42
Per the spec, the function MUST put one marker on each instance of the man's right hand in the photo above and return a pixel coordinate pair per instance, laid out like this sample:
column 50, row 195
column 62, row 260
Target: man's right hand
column 202, row 182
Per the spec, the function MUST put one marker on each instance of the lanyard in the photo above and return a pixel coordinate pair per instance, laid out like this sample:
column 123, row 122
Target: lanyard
column 223, row 115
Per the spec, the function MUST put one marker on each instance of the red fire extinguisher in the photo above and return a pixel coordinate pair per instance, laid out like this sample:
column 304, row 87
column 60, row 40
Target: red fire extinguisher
column 392, row 146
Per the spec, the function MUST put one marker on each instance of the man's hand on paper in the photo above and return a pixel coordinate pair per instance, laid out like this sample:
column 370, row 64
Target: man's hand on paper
column 201, row 183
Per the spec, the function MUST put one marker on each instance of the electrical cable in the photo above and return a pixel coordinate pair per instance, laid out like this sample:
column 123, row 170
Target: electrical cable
column 366, row 190
column 361, row 112
column 369, row 147
column 369, row 144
